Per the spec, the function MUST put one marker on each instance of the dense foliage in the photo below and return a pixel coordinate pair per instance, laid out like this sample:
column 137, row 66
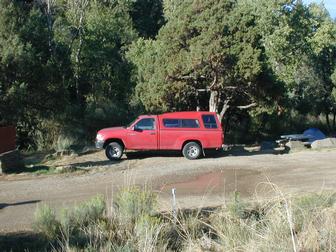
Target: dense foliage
column 70, row 67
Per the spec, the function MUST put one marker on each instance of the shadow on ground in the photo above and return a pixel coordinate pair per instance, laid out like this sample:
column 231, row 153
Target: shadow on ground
column 238, row 151
column 4, row 205
column 35, row 158
column 89, row 164
column 136, row 155
column 23, row 241
column 150, row 154
column 128, row 156
column 32, row 169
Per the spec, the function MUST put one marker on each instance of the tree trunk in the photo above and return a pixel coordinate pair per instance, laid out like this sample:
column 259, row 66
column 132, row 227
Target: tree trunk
column 334, row 121
column 49, row 22
column 77, row 8
column 198, row 107
column 78, row 58
column 225, row 108
column 328, row 121
column 213, row 101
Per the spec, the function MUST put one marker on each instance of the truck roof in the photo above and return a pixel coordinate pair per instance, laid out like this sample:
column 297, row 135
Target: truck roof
column 182, row 114
column 186, row 114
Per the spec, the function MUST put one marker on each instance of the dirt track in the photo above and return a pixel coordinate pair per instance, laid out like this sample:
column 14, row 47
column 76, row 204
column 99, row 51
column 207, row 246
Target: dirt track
column 202, row 182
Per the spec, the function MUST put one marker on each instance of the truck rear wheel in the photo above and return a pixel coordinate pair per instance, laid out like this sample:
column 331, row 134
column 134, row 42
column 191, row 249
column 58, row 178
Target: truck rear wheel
column 192, row 150
column 114, row 151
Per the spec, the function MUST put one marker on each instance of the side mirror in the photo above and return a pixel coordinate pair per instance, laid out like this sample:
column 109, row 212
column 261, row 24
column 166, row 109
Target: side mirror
column 135, row 128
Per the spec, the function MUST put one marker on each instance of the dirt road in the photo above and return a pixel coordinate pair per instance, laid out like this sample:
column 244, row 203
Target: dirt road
column 198, row 183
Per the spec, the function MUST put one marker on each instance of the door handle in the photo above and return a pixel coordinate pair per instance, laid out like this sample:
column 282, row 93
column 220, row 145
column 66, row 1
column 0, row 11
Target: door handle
column 152, row 133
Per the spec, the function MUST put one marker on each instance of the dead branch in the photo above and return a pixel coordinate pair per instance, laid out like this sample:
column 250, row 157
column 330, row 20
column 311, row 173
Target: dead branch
column 247, row 106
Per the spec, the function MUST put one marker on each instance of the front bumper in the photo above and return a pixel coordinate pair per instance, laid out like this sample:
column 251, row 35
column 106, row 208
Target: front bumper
column 99, row 144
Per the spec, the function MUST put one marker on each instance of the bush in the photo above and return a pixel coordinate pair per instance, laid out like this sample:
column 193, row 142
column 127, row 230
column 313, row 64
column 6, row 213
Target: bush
column 46, row 135
column 53, row 135
column 133, row 202
column 46, row 223
column 306, row 223
column 80, row 223
column 131, row 227
column 64, row 143
column 83, row 214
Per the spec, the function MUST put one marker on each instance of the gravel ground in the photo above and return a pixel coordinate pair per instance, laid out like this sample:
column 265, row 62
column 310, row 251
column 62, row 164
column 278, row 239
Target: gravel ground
column 204, row 182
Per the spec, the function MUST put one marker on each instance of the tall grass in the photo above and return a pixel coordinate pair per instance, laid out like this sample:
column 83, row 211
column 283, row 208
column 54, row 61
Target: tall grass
column 283, row 223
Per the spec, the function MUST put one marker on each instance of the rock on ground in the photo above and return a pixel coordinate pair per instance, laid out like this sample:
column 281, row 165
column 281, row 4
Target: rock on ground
column 11, row 161
column 324, row 143
column 295, row 145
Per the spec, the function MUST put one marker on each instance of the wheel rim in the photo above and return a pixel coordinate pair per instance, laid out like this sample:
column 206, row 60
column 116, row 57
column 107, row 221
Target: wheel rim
column 115, row 152
column 193, row 151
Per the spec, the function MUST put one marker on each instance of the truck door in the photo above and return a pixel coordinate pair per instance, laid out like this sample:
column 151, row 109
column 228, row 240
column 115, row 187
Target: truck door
column 143, row 135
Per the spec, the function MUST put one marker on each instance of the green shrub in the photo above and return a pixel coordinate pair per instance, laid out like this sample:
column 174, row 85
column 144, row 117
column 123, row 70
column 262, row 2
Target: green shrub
column 64, row 143
column 133, row 202
column 46, row 223
column 57, row 136
column 46, row 134
column 84, row 214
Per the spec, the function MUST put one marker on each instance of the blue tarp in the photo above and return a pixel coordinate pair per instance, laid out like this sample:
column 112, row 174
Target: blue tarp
column 314, row 134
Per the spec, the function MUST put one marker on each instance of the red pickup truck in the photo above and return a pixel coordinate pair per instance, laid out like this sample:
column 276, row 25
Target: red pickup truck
column 190, row 132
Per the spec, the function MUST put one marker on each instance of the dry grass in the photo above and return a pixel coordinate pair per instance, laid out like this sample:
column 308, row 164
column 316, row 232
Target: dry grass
column 283, row 223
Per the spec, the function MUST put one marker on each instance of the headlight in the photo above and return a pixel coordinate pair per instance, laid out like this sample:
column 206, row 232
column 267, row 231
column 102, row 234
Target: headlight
column 99, row 137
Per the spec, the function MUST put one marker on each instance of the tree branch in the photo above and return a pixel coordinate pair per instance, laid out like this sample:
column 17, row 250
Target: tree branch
column 230, row 87
column 214, row 82
column 225, row 107
column 247, row 106
column 180, row 78
column 187, row 76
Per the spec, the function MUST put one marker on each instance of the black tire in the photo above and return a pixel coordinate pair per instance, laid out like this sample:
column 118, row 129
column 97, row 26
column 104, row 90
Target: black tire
column 114, row 151
column 192, row 150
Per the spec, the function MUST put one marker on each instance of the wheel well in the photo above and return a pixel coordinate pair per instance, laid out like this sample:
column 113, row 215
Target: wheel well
column 108, row 141
column 188, row 141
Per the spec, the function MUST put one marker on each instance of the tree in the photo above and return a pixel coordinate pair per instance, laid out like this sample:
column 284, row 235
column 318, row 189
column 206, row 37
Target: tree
column 300, row 48
column 62, row 63
column 105, row 71
column 31, row 84
column 323, row 44
column 147, row 17
column 205, row 45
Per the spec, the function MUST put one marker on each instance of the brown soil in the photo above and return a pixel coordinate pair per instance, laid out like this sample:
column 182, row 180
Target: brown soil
column 205, row 182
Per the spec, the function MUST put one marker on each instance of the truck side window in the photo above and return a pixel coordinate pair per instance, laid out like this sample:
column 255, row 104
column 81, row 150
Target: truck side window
column 209, row 121
column 171, row 123
column 145, row 124
column 190, row 123
column 181, row 123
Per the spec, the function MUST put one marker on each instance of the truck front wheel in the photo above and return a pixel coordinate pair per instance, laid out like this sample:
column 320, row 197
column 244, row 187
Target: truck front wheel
column 114, row 151
column 192, row 150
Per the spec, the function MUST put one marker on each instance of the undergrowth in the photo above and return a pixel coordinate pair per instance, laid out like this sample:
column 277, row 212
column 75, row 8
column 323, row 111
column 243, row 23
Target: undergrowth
column 132, row 223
